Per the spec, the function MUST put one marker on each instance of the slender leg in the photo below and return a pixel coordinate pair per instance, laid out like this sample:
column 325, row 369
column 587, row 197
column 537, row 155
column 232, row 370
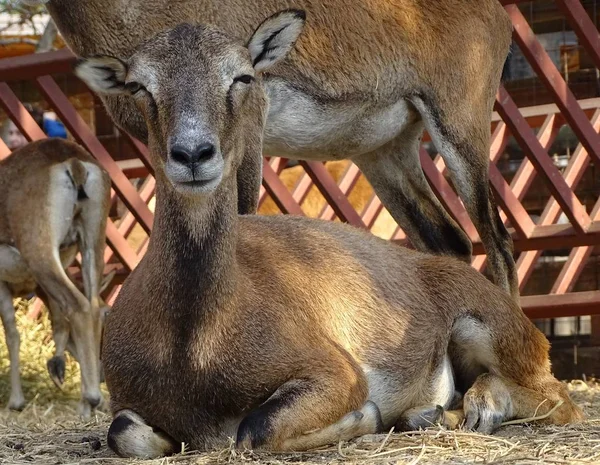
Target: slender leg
column 13, row 341
column 51, row 226
column 395, row 173
column 463, row 142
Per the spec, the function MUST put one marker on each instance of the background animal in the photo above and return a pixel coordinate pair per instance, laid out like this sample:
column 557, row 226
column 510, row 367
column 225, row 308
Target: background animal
column 224, row 330
column 363, row 82
column 54, row 200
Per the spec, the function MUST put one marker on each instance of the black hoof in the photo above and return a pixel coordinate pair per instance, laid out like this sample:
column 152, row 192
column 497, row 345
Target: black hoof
column 420, row 418
column 56, row 369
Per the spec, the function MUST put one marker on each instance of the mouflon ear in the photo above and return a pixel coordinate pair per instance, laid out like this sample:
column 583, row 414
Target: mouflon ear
column 103, row 74
column 274, row 38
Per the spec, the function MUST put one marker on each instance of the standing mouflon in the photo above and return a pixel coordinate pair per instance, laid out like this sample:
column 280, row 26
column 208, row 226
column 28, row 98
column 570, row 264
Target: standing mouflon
column 54, row 202
column 362, row 83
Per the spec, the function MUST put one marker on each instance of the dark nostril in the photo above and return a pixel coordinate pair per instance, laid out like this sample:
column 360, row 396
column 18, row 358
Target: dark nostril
column 203, row 152
column 181, row 155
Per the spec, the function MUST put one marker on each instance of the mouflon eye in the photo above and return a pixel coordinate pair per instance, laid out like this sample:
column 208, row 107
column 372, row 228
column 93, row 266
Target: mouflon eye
column 245, row 79
column 134, row 87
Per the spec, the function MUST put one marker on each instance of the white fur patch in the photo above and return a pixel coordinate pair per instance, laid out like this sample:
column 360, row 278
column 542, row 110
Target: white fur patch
column 300, row 127
column 474, row 341
column 102, row 74
column 391, row 394
column 443, row 384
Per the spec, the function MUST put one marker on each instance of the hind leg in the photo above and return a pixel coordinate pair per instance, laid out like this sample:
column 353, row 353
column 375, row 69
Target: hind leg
column 39, row 243
column 60, row 333
column 92, row 234
column 461, row 132
column 493, row 400
column 395, row 173
column 130, row 436
column 16, row 400
column 92, row 241
column 502, row 362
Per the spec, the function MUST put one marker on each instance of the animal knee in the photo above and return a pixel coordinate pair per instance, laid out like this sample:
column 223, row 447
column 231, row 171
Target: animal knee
column 130, row 436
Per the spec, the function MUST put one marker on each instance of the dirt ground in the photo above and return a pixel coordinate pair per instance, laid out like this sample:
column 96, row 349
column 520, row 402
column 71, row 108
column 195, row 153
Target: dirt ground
column 48, row 431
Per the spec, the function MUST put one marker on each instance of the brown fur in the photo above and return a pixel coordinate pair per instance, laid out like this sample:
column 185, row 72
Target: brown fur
column 286, row 332
column 52, row 206
column 356, row 59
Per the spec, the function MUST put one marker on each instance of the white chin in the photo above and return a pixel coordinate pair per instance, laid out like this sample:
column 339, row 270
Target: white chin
column 197, row 187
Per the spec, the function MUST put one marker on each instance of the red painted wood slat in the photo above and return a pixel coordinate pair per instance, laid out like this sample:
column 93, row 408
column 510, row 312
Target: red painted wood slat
column 538, row 156
column 540, row 61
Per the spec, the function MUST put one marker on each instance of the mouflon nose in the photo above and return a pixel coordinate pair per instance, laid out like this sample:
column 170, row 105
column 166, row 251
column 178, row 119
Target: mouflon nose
column 202, row 152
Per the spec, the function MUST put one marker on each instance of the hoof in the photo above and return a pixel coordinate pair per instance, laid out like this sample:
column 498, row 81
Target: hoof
column 17, row 403
column 420, row 418
column 129, row 436
column 56, row 370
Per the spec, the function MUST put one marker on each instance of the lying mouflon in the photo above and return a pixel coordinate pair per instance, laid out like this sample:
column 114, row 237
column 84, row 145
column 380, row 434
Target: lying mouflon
column 227, row 330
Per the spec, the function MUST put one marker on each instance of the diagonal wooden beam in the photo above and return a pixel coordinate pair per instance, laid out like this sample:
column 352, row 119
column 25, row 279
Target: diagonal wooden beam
column 542, row 162
column 519, row 218
column 278, row 192
column 19, row 114
column 141, row 150
column 302, row 187
column 346, row 184
column 120, row 246
column 540, row 61
column 573, row 173
column 583, row 26
column 526, row 173
column 371, row 211
column 128, row 221
column 332, row 193
column 571, row 270
column 278, row 164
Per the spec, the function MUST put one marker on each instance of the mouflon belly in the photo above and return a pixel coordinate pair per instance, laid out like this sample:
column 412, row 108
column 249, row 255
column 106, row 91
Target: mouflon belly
column 300, row 126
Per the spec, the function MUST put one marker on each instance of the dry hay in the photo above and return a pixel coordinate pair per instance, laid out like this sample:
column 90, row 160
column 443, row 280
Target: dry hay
column 49, row 432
